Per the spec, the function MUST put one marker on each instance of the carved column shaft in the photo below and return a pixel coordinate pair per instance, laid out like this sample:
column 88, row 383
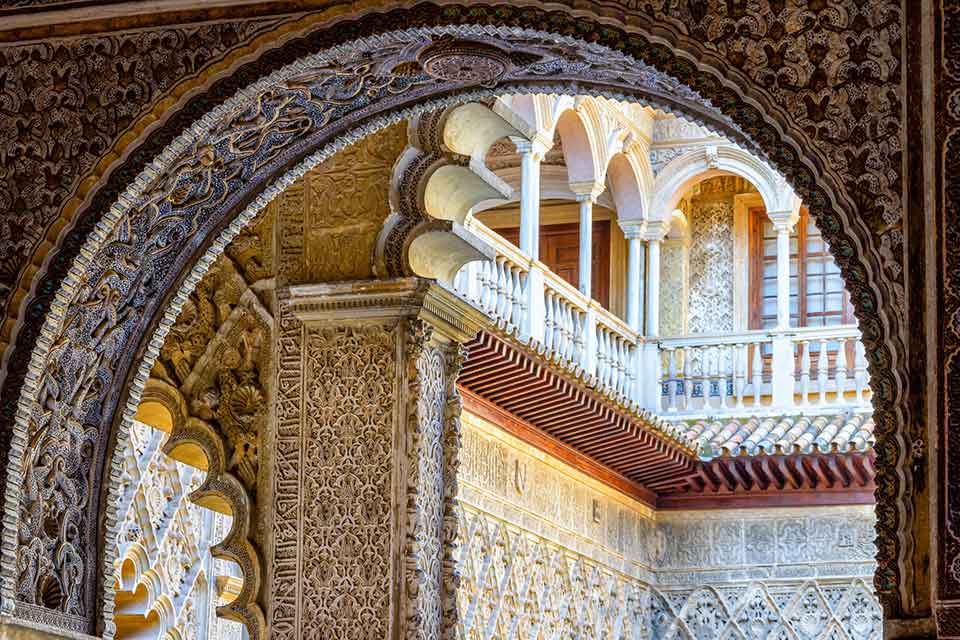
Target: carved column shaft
column 365, row 458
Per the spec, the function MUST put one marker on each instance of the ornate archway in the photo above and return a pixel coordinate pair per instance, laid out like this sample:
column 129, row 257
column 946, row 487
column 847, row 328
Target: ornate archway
column 185, row 199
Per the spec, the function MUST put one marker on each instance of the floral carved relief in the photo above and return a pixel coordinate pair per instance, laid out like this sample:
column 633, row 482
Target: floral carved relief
column 710, row 301
column 329, row 219
column 353, row 455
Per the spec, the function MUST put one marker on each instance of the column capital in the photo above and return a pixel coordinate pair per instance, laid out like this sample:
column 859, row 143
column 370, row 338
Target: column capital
column 450, row 316
column 784, row 220
column 632, row 229
column 655, row 230
column 587, row 190
column 537, row 147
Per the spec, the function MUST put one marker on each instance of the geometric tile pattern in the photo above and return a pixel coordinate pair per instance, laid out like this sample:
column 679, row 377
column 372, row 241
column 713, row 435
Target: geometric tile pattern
column 519, row 586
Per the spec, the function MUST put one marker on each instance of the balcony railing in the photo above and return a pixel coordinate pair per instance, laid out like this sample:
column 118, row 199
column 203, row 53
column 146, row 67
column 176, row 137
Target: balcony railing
column 810, row 369
column 732, row 372
column 524, row 298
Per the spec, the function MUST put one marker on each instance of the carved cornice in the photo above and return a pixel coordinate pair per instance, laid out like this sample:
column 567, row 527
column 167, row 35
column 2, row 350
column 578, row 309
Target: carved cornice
column 444, row 311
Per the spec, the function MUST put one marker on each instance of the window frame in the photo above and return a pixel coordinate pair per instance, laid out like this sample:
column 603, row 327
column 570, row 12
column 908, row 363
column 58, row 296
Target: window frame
column 757, row 218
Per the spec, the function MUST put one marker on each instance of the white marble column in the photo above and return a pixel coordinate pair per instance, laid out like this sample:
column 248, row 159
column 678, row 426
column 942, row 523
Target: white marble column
column 783, row 366
column 586, row 244
column 654, row 233
column 783, row 274
column 635, row 259
column 531, row 154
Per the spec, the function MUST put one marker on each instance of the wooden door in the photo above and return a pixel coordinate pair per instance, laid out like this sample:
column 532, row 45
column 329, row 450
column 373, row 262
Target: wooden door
column 560, row 251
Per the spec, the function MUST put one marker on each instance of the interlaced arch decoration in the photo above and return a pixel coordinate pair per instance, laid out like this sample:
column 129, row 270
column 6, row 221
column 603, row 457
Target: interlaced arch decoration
column 110, row 302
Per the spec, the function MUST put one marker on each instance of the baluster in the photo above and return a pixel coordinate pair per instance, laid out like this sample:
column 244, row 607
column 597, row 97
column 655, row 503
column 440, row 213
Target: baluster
column 561, row 327
column 622, row 364
column 474, row 282
column 740, row 383
column 706, row 369
column 671, row 379
column 617, row 353
column 688, row 378
column 507, row 312
column 501, row 281
column 805, row 372
column 568, row 353
column 859, row 369
column 549, row 322
column 605, row 378
column 557, row 327
column 485, row 286
column 524, row 297
column 579, row 336
column 841, row 362
column 517, row 315
column 723, row 370
column 757, row 373
column 492, row 287
column 823, row 368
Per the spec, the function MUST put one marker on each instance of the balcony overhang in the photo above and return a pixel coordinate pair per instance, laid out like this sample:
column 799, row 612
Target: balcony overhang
column 628, row 442
column 638, row 453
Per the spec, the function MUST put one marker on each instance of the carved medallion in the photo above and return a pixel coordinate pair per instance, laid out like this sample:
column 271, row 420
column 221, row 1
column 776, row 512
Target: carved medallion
column 465, row 61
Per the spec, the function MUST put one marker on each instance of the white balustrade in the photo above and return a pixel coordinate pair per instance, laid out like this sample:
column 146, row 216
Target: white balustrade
column 830, row 348
column 713, row 371
column 577, row 332
column 699, row 374
column 733, row 373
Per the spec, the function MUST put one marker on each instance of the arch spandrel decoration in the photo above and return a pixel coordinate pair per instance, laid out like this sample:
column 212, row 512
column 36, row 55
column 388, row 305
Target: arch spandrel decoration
column 865, row 277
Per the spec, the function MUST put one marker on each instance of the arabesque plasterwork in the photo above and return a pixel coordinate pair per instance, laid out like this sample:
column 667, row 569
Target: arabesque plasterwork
column 547, row 562
column 104, row 312
column 361, row 542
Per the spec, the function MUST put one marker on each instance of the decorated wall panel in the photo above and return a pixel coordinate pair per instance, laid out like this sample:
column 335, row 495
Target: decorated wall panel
column 333, row 525
column 673, row 288
column 328, row 220
column 710, row 302
column 547, row 552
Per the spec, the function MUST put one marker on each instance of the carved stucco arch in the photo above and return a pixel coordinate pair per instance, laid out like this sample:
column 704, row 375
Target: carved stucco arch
column 702, row 163
column 820, row 188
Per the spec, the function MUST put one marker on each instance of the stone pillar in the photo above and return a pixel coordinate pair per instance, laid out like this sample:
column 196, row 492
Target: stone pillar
column 587, row 193
column 531, row 154
column 633, row 233
column 654, row 232
column 586, row 244
column 783, row 357
column 364, row 455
